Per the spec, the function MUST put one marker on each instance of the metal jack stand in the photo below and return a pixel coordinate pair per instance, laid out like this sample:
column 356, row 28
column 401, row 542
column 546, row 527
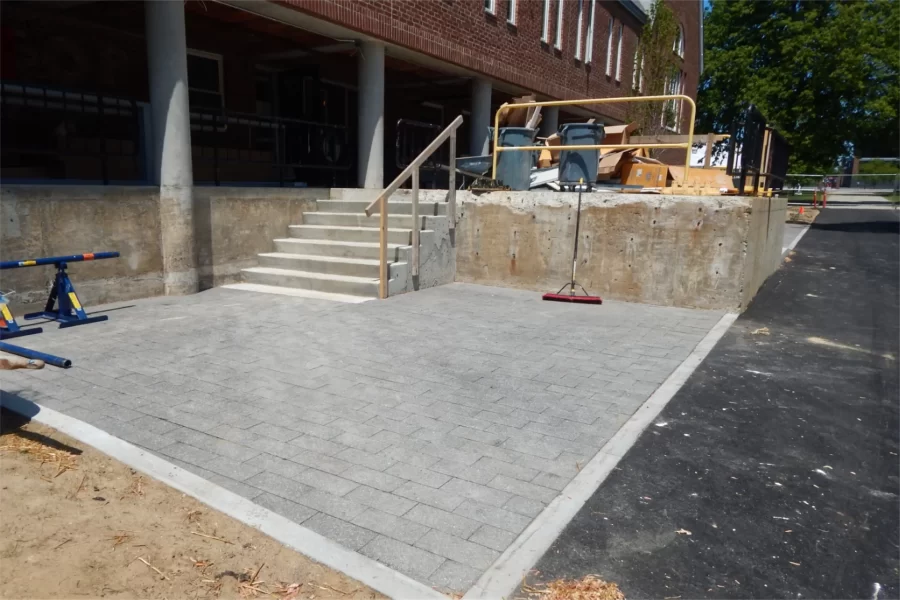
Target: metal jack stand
column 8, row 326
column 69, row 313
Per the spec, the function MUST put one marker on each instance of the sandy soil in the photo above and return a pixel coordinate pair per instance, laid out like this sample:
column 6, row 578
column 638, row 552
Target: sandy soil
column 809, row 214
column 76, row 523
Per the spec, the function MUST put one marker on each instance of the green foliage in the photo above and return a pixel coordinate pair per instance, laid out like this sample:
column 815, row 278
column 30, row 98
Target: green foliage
column 824, row 73
column 655, row 64
column 879, row 167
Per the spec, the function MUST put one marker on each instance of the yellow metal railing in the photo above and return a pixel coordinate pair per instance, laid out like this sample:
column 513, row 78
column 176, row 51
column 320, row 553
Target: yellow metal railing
column 686, row 145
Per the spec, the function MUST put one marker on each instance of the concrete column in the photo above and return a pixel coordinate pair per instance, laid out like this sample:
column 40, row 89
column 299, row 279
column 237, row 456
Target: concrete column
column 370, row 173
column 481, row 117
column 549, row 121
column 167, row 66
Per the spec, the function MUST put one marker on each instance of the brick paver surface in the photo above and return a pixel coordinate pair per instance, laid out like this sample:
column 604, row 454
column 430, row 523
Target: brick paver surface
column 425, row 431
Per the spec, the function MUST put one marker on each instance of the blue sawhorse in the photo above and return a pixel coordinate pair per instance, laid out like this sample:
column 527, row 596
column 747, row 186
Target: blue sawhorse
column 69, row 311
column 8, row 326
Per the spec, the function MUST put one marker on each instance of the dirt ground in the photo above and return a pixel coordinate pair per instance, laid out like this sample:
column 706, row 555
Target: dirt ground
column 809, row 214
column 76, row 523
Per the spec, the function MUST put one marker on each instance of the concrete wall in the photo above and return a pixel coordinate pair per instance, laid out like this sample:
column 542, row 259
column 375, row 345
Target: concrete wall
column 232, row 226
column 42, row 221
column 704, row 252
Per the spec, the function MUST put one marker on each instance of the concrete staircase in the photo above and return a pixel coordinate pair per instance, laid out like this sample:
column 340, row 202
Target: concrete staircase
column 333, row 255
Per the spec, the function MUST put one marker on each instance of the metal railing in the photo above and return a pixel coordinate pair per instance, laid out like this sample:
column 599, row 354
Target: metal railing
column 413, row 171
column 686, row 145
column 233, row 146
column 51, row 133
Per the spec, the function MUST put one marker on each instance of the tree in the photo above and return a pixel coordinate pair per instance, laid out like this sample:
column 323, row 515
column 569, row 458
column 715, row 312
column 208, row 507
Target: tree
column 655, row 66
column 824, row 73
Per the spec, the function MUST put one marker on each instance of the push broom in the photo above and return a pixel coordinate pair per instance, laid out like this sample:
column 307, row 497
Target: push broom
column 572, row 296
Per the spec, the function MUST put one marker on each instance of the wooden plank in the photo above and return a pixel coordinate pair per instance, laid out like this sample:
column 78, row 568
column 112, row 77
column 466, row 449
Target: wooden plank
column 382, row 250
column 416, row 225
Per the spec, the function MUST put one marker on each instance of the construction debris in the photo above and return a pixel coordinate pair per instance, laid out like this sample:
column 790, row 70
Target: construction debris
column 589, row 587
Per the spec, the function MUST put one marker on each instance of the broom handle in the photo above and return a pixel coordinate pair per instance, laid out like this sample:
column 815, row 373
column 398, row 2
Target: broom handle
column 575, row 252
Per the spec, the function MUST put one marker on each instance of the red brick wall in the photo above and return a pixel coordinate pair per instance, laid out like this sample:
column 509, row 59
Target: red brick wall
column 461, row 32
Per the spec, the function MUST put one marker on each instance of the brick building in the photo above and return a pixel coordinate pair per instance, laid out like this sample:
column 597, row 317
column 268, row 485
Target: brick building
column 274, row 88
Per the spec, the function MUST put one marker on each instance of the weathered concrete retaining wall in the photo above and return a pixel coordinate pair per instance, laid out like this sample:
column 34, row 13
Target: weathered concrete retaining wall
column 55, row 220
column 232, row 226
column 704, row 252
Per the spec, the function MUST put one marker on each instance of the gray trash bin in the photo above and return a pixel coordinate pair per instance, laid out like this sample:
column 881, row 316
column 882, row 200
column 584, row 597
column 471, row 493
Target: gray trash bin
column 575, row 165
column 514, row 168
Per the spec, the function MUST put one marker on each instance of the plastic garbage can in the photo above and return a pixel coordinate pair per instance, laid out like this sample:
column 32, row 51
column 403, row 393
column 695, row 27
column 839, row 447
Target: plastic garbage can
column 575, row 165
column 514, row 168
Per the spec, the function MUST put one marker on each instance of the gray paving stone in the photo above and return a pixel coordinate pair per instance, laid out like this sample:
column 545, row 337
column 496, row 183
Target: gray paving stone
column 436, row 518
column 509, row 469
column 213, row 444
column 318, row 445
column 430, row 496
column 392, row 526
column 340, row 508
column 478, row 492
column 459, row 550
column 521, row 488
column 344, row 533
column 419, row 475
column 475, row 474
column 282, row 434
column 361, row 443
column 278, row 485
column 497, row 539
column 453, row 577
column 409, row 456
column 329, row 464
column 383, row 501
column 286, row 508
column 418, row 564
column 279, row 466
column 188, row 454
column 232, row 468
column 327, row 482
column 554, row 482
column 241, row 489
column 376, row 462
column 372, row 478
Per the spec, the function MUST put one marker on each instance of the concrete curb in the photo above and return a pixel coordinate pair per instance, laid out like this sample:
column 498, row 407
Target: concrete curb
column 321, row 549
column 508, row 571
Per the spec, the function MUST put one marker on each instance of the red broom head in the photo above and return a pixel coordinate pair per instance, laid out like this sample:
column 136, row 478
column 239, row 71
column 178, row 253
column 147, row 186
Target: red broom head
column 576, row 299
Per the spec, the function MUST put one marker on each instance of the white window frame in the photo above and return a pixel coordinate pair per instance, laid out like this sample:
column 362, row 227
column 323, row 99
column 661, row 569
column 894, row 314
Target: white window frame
column 619, row 53
column 218, row 59
column 675, row 86
column 579, row 29
column 635, row 71
column 609, row 47
column 678, row 45
column 545, row 23
column 490, row 7
column 557, row 42
column 589, row 50
column 512, row 9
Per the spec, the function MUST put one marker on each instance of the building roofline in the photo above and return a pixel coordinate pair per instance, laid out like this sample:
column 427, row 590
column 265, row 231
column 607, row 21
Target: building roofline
column 635, row 9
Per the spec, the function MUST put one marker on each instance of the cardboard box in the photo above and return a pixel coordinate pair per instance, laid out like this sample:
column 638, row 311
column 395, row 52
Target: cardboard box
column 617, row 134
column 645, row 174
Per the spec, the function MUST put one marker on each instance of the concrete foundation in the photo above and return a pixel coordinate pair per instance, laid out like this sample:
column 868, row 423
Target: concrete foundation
column 702, row 252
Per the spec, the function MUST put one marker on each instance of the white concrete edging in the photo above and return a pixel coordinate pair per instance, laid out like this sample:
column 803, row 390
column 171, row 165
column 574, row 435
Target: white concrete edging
column 508, row 571
column 365, row 570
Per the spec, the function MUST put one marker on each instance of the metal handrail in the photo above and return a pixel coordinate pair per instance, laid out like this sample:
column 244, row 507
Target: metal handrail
column 413, row 171
column 687, row 145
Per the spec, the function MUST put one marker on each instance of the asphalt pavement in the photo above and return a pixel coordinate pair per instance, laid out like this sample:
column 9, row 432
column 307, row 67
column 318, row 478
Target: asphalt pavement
column 773, row 472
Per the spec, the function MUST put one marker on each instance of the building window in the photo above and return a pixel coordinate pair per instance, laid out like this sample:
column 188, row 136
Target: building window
column 559, row 25
column 674, row 107
column 545, row 23
column 490, row 6
column 579, row 29
column 589, row 50
column 619, row 53
column 678, row 46
column 609, row 48
column 205, row 88
column 511, row 12
column 635, row 72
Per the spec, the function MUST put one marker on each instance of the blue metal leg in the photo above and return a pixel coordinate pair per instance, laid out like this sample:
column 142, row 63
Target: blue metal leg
column 69, row 312
column 8, row 326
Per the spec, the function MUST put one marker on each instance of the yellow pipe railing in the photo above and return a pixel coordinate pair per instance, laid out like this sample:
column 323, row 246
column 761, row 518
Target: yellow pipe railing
column 686, row 145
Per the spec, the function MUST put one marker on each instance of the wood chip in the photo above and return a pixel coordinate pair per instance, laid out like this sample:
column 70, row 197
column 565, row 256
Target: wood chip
column 589, row 587
column 152, row 567
column 682, row 532
column 760, row 331
column 212, row 537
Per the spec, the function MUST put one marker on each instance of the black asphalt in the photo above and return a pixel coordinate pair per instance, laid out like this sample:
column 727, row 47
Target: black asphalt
column 779, row 455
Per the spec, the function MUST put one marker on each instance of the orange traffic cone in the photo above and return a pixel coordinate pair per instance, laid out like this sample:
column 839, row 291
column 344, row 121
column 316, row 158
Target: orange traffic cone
column 801, row 210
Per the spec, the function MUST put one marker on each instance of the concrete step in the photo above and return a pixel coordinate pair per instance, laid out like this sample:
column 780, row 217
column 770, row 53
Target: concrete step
column 307, row 280
column 395, row 207
column 349, row 219
column 349, row 234
column 338, row 248
column 333, row 265
column 297, row 293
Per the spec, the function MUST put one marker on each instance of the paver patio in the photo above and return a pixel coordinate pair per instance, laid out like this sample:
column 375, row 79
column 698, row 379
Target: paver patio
column 425, row 431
